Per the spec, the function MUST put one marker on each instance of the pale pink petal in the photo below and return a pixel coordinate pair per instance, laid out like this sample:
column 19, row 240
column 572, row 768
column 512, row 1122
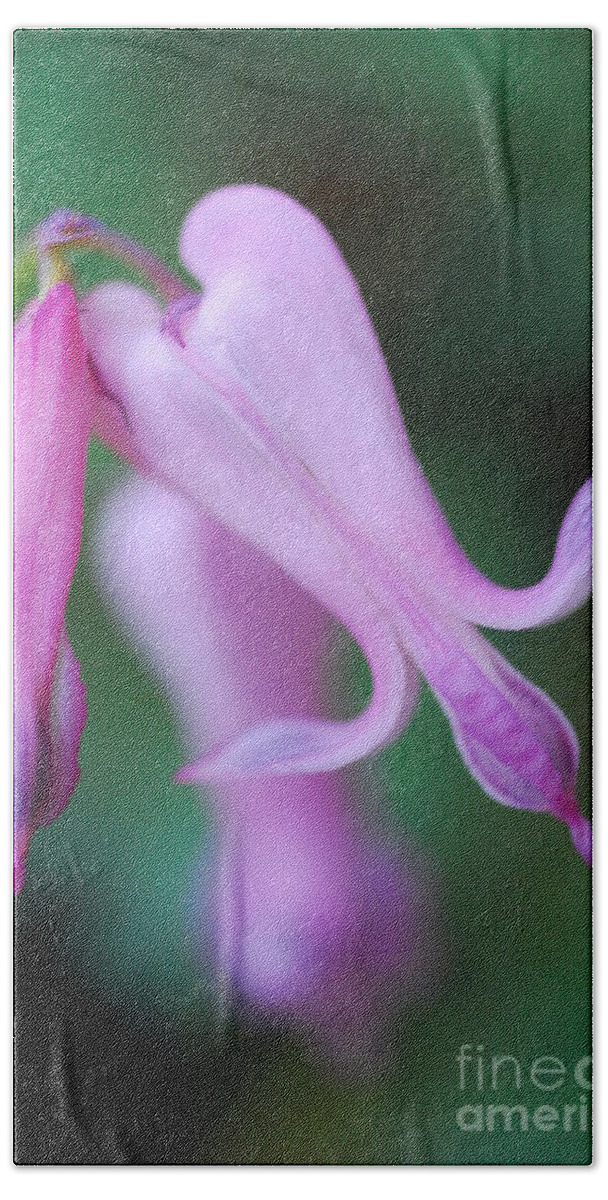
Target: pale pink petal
column 563, row 589
column 282, row 313
column 189, row 436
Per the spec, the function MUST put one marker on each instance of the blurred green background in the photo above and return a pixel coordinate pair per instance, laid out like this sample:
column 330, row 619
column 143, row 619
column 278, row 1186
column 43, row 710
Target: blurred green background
column 453, row 168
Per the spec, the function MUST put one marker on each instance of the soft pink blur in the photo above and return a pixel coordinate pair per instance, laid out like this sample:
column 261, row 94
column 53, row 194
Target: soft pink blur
column 309, row 917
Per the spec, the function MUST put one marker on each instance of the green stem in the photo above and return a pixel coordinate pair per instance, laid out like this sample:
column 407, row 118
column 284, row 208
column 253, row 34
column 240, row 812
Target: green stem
column 76, row 231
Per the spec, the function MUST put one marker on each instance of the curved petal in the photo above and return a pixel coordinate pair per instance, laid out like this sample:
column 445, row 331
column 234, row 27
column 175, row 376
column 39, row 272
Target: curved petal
column 514, row 740
column 282, row 313
column 306, row 747
column 563, row 589
column 190, row 437
column 202, row 603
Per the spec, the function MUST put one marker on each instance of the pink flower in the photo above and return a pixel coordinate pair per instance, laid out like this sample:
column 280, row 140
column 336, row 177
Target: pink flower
column 54, row 396
column 310, row 919
column 267, row 402
column 57, row 405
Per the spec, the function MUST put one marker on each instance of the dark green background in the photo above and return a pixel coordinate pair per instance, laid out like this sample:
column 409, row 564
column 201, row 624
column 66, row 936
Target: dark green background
column 453, row 168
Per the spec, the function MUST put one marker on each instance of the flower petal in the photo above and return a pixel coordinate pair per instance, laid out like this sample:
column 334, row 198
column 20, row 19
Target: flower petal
column 563, row 589
column 282, row 312
column 311, row 919
column 515, row 741
column 54, row 397
column 188, row 436
column 53, row 406
column 46, row 756
column 308, row 917
column 66, row 724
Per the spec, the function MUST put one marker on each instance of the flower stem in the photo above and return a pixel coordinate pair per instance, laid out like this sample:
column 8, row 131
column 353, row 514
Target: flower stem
column 66, row 229
column 52, row 268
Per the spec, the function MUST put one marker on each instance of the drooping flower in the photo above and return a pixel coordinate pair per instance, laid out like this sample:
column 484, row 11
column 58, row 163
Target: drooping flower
column 54, row 399
column 310, row 919
column 58, row 403
column 268, row 403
